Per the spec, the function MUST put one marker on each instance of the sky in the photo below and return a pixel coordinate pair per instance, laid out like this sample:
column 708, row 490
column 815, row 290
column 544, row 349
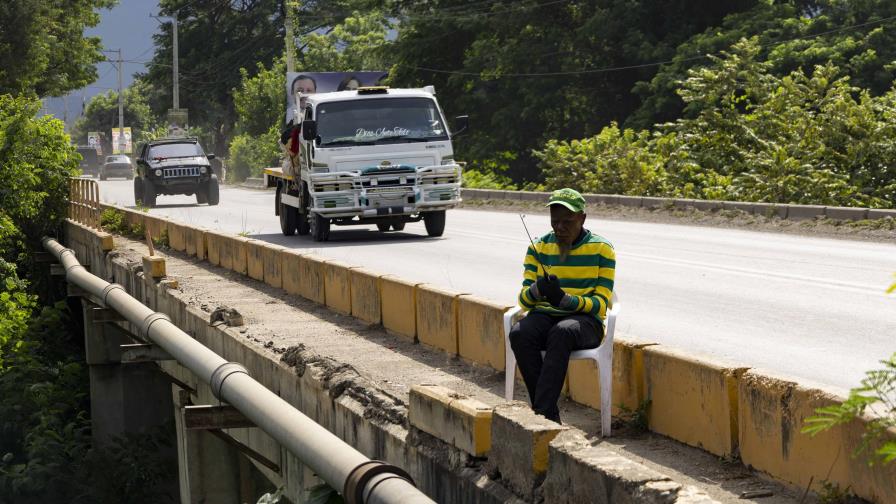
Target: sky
column 126, row 26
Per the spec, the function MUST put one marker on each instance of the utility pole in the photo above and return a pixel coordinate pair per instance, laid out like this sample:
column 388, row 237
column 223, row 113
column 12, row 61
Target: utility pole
column 121, row 141
column 174, row 50
column 290, row 7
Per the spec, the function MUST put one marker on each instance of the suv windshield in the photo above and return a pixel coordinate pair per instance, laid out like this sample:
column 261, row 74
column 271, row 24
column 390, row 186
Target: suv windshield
column 379, row 121
column 117, row 159
column 174, row 150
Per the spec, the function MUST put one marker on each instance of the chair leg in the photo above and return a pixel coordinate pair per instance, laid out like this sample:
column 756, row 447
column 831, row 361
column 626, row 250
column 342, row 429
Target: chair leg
column 606, row 398
column 509, row 374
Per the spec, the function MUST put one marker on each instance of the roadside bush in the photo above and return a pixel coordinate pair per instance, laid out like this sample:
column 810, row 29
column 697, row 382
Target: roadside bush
column 249, row 155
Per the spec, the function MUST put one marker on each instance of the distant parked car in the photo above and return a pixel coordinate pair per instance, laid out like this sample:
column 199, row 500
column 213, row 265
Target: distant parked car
column 118, row 165
column 90, row 164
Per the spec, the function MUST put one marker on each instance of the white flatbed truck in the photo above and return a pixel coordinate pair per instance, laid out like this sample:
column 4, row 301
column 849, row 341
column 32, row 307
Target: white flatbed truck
column 368, row 156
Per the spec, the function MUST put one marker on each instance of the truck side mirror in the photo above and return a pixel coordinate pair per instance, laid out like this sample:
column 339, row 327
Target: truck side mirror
column 209, row 156
column 309, row 130
column 461, row 123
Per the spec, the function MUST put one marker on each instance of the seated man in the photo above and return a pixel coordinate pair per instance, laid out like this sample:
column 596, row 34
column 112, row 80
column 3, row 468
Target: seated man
column 567, row 286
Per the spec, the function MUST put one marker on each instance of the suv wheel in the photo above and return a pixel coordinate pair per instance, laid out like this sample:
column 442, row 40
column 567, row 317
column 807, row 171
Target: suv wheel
column 149, row 193
column 383, row 226
column 214, row 195
column 138, row 191
column 320, row 228
column 398, row 226
column 201, row 195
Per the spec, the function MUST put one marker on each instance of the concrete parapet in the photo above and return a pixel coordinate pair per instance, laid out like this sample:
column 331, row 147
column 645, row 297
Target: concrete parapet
column 289, row 266
column 214, row 241
column 743, row 206
column 691, row 400
column 772, row 414
column 520, row 440
column 311, row 275
column 534, row 196
column 255, row 259
column 153, row 267
column 629, row 201
column 771, row 210
column 703, row 205
column 200, row 242
column 273, row 271
column 480, row 331
column 579, row 472
column 176, row 238
column 846, row 213
column 238, row 248
column 437, row 317
column 399, row 304
column 454, row 418
column 651, row 202
column 804, row 212
column 337, row 286
column 628, row 378
column 365, row 295
column 877, row 213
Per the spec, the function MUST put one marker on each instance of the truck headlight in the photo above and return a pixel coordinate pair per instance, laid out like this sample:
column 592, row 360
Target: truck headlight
column 202, row 170
column 158, row 173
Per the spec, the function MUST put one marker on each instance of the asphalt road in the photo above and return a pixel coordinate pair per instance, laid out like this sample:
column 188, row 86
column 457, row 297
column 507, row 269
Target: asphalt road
column 809, row 308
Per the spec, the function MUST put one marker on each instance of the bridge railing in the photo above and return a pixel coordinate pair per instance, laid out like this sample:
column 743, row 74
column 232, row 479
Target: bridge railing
column 84, row 202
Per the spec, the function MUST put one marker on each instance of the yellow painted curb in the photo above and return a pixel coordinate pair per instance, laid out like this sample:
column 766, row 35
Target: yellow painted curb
column 437, row 317
column 365, row 293
column 255, row 259
column 399, row 302
column 337, row 286
column 289, row 266
column 480, row 331
column 311, row 271
column 273, row 271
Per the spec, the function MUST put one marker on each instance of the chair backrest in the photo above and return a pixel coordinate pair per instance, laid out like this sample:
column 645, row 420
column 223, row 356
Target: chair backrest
column 612, row 313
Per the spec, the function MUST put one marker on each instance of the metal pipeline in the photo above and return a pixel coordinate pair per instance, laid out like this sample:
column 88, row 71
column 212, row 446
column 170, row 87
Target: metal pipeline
column 331, row 458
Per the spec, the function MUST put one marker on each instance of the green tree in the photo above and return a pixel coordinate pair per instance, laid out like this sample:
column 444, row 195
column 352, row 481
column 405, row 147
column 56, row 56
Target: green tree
column 42, row 45
column 101, row 114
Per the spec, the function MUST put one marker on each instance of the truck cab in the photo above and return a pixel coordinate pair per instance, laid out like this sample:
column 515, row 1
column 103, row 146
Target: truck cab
column 370, row 156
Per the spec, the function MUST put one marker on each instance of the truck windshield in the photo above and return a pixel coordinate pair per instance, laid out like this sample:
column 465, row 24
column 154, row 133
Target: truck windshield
column 379, row 121
column 175, row 150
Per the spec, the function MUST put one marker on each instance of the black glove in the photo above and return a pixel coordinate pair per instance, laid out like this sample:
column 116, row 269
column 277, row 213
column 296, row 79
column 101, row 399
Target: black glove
column 549, row 287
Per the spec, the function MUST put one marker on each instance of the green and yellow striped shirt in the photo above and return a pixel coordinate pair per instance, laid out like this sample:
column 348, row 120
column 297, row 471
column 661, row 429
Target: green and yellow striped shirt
column 586, row 274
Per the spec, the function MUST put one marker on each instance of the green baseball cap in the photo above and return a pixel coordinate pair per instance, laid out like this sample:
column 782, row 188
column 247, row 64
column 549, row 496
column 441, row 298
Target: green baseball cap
column 570, row 198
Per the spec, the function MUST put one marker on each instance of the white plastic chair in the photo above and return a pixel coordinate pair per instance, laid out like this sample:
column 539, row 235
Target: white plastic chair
column 602, row 357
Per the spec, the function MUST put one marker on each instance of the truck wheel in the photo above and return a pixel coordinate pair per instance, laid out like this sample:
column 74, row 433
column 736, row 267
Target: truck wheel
column 398, row 226
column 383, row 226
column 149, row 193
column 434, row 222
column 138, row 191
column 320, row 228
column 214, row 195
column 303, row 223
column 287, row 217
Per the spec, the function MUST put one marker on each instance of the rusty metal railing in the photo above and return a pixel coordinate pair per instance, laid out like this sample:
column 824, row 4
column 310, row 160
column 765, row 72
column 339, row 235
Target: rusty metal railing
column 84, row 202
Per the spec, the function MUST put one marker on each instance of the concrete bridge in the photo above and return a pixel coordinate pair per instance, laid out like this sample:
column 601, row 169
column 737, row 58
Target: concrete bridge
column 411, row 374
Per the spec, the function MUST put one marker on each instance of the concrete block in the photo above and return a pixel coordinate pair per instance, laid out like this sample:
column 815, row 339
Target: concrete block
column 473, row 194
column 628, row 201
column 628, row 378
column 805, row 212
column 534, row 196
column 105, row 241
column 273, row 272
column 771, row 210
column 289, row 266
column 743, row 206
column 512, row 195
column 579, row 472
column 846, row 213
column 239, row 254
column 189, row 240
column 702, row 205
column 454, row 418
column 255, row 259
column 153, row 266
column 176, row 239
column 602, row 199
column 225, row 244
column 520, row 441
column 399, row 304
column 437, row 317
column 692, row 401
column 200, row 240
column 337, row 286
column 480, row 331
column 365, row 295
column 214, row 241
column 772, row 412
column 877, row 213
column 311, row 273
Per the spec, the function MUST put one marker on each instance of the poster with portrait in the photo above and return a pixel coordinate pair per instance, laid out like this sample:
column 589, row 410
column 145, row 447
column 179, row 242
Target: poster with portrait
column 117, row 147
column 93, row 140
column 325, row 82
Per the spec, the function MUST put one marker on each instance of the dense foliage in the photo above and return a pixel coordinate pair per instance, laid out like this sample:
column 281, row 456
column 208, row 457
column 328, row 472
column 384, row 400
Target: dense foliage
column 43, row 50
column 101, row 114
column 807, row 137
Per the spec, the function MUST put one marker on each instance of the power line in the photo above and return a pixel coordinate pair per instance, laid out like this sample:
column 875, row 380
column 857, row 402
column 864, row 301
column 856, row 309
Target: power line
column 651, row 64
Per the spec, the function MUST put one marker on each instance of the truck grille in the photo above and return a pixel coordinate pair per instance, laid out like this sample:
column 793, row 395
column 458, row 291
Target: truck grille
column 181, row 171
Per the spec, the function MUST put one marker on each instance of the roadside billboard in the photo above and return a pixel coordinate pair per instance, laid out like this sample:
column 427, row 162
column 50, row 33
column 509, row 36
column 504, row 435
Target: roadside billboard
column 116, row 146
column 93, row 140
column 325, row 82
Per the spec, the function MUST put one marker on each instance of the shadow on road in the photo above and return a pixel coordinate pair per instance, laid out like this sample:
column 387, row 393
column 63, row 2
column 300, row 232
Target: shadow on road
column 348, row 238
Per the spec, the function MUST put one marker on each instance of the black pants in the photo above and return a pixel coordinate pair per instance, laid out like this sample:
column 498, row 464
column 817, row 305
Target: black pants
column 557, row 337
